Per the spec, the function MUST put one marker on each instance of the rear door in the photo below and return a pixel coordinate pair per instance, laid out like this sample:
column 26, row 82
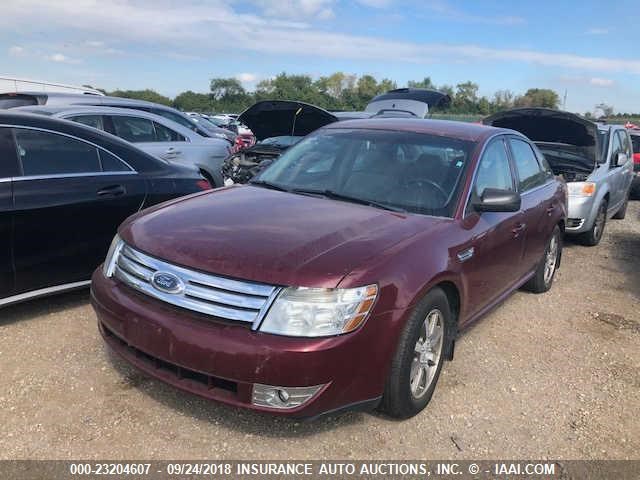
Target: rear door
column 8, row 170
column 537, row 189
column 68, row 203
column 148, row 135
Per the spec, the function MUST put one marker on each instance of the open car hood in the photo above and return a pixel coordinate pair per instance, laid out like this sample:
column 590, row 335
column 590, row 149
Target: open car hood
column 547, row 126
column 275, row 118
column 415, row 101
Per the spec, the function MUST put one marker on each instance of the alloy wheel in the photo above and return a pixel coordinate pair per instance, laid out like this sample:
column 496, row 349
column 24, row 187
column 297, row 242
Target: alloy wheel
column 551, row 259
column 427, row 352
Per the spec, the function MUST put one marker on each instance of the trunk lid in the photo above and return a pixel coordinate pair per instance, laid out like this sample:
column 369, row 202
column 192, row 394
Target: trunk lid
column 415, row 101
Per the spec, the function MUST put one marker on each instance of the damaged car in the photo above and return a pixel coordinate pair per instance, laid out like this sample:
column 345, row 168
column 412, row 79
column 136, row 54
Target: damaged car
column 280, row 124
column 594, row 159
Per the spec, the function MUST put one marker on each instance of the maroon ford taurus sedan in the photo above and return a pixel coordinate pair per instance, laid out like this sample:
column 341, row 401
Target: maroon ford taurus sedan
column 341, row 276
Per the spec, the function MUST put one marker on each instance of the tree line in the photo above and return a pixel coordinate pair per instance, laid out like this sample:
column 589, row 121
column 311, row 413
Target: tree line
column 340, row 91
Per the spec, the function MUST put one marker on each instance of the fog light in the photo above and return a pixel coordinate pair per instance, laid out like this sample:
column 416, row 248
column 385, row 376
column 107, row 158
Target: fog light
column 282, row 397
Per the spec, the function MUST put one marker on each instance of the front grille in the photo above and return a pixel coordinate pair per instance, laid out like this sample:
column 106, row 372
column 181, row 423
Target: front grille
column 221, row 297
column 180, row 373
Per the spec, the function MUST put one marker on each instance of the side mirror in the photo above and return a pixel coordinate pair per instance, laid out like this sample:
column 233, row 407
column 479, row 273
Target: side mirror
column 498, row 200
column 620, row 159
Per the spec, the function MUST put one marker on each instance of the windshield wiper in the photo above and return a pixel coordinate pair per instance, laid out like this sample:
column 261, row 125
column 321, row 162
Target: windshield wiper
column 272, row 186
column 348, row 198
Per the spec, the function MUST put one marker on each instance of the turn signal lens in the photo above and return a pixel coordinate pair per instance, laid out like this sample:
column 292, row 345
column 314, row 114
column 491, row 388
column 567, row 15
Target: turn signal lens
column 581, row 189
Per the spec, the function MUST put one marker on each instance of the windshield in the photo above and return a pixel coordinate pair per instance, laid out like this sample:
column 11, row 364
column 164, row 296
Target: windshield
column 282, row 141
column 407, row 171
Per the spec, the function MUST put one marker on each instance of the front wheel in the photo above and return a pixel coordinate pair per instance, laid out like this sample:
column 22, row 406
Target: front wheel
column 416, row 366
column 593, row 236
column 546, row 271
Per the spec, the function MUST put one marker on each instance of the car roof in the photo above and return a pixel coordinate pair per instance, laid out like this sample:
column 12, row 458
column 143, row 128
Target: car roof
column 445, row 128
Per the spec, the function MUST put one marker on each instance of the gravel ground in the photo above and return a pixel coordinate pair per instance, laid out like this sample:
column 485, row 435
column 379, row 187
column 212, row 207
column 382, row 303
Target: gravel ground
column 543, row 376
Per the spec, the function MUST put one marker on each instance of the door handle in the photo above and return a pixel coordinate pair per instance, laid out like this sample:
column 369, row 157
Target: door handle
column 111, row 191
column 172, row 151
column 518, row 229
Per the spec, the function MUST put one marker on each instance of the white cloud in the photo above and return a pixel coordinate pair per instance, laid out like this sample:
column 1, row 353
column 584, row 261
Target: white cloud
column 16, row 51
column 247, row 77
column 601, row 82
column 60, row 58
column 164, row 25
column 94, row 43
column 597, row 31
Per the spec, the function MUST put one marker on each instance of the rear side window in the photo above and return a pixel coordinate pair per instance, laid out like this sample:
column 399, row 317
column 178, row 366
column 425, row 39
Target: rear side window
column 46, row 153
column 94, row 121
column 133, row 129
column 164, row 134
column 8, row 160
column 110, row 163
column 530, row 174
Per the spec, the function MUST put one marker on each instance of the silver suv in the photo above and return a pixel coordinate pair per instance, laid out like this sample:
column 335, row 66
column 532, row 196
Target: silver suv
column 596, row 160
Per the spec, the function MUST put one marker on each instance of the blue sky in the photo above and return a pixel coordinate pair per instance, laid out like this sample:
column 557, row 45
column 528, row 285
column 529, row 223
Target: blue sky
column 588, row 49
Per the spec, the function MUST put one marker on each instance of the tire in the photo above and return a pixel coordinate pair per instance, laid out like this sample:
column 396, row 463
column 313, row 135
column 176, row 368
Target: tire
column 207, row 176
column 594, row 235
column 622, row 212
column 546, row 271
column 405, row 394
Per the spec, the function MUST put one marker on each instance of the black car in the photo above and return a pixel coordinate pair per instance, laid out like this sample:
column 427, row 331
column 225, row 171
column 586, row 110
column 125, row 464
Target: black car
column 64, row 189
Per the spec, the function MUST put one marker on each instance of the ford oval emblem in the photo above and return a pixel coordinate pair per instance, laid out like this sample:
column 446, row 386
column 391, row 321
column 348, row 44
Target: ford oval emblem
column 167, row 282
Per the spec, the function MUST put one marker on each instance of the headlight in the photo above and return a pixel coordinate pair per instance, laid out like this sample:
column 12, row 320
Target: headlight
column 109, row 265
column 319, row 312
column 581, row 189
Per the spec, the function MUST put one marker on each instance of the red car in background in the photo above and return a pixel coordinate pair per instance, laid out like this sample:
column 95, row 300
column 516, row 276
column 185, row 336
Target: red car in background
column 339, row 277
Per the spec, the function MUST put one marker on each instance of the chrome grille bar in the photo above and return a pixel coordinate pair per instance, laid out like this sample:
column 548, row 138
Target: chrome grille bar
column 221, row 297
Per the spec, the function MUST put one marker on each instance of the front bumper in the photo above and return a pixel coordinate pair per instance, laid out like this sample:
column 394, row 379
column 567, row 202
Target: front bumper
column 581, row 214
column 223, row 360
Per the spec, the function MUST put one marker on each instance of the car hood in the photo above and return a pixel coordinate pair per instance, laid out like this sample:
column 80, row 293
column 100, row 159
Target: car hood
column 276, row 118
column 549, row 126
column 269, row 236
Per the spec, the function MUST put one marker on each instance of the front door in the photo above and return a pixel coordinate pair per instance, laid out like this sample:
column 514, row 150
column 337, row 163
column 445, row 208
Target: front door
column 490, row 259
column 67, row 207
column 8, row 169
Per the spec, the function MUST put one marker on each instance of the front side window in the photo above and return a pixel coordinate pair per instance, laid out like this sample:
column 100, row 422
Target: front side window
column 46, row 153
column 180, row 120
column 133, row 129
column 624, row 143
column 94, row 121
column 494, row 171
column 414, row 172
column 530, row 174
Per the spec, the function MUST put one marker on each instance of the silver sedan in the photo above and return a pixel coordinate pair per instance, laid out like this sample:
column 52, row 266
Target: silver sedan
column 152, row 133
